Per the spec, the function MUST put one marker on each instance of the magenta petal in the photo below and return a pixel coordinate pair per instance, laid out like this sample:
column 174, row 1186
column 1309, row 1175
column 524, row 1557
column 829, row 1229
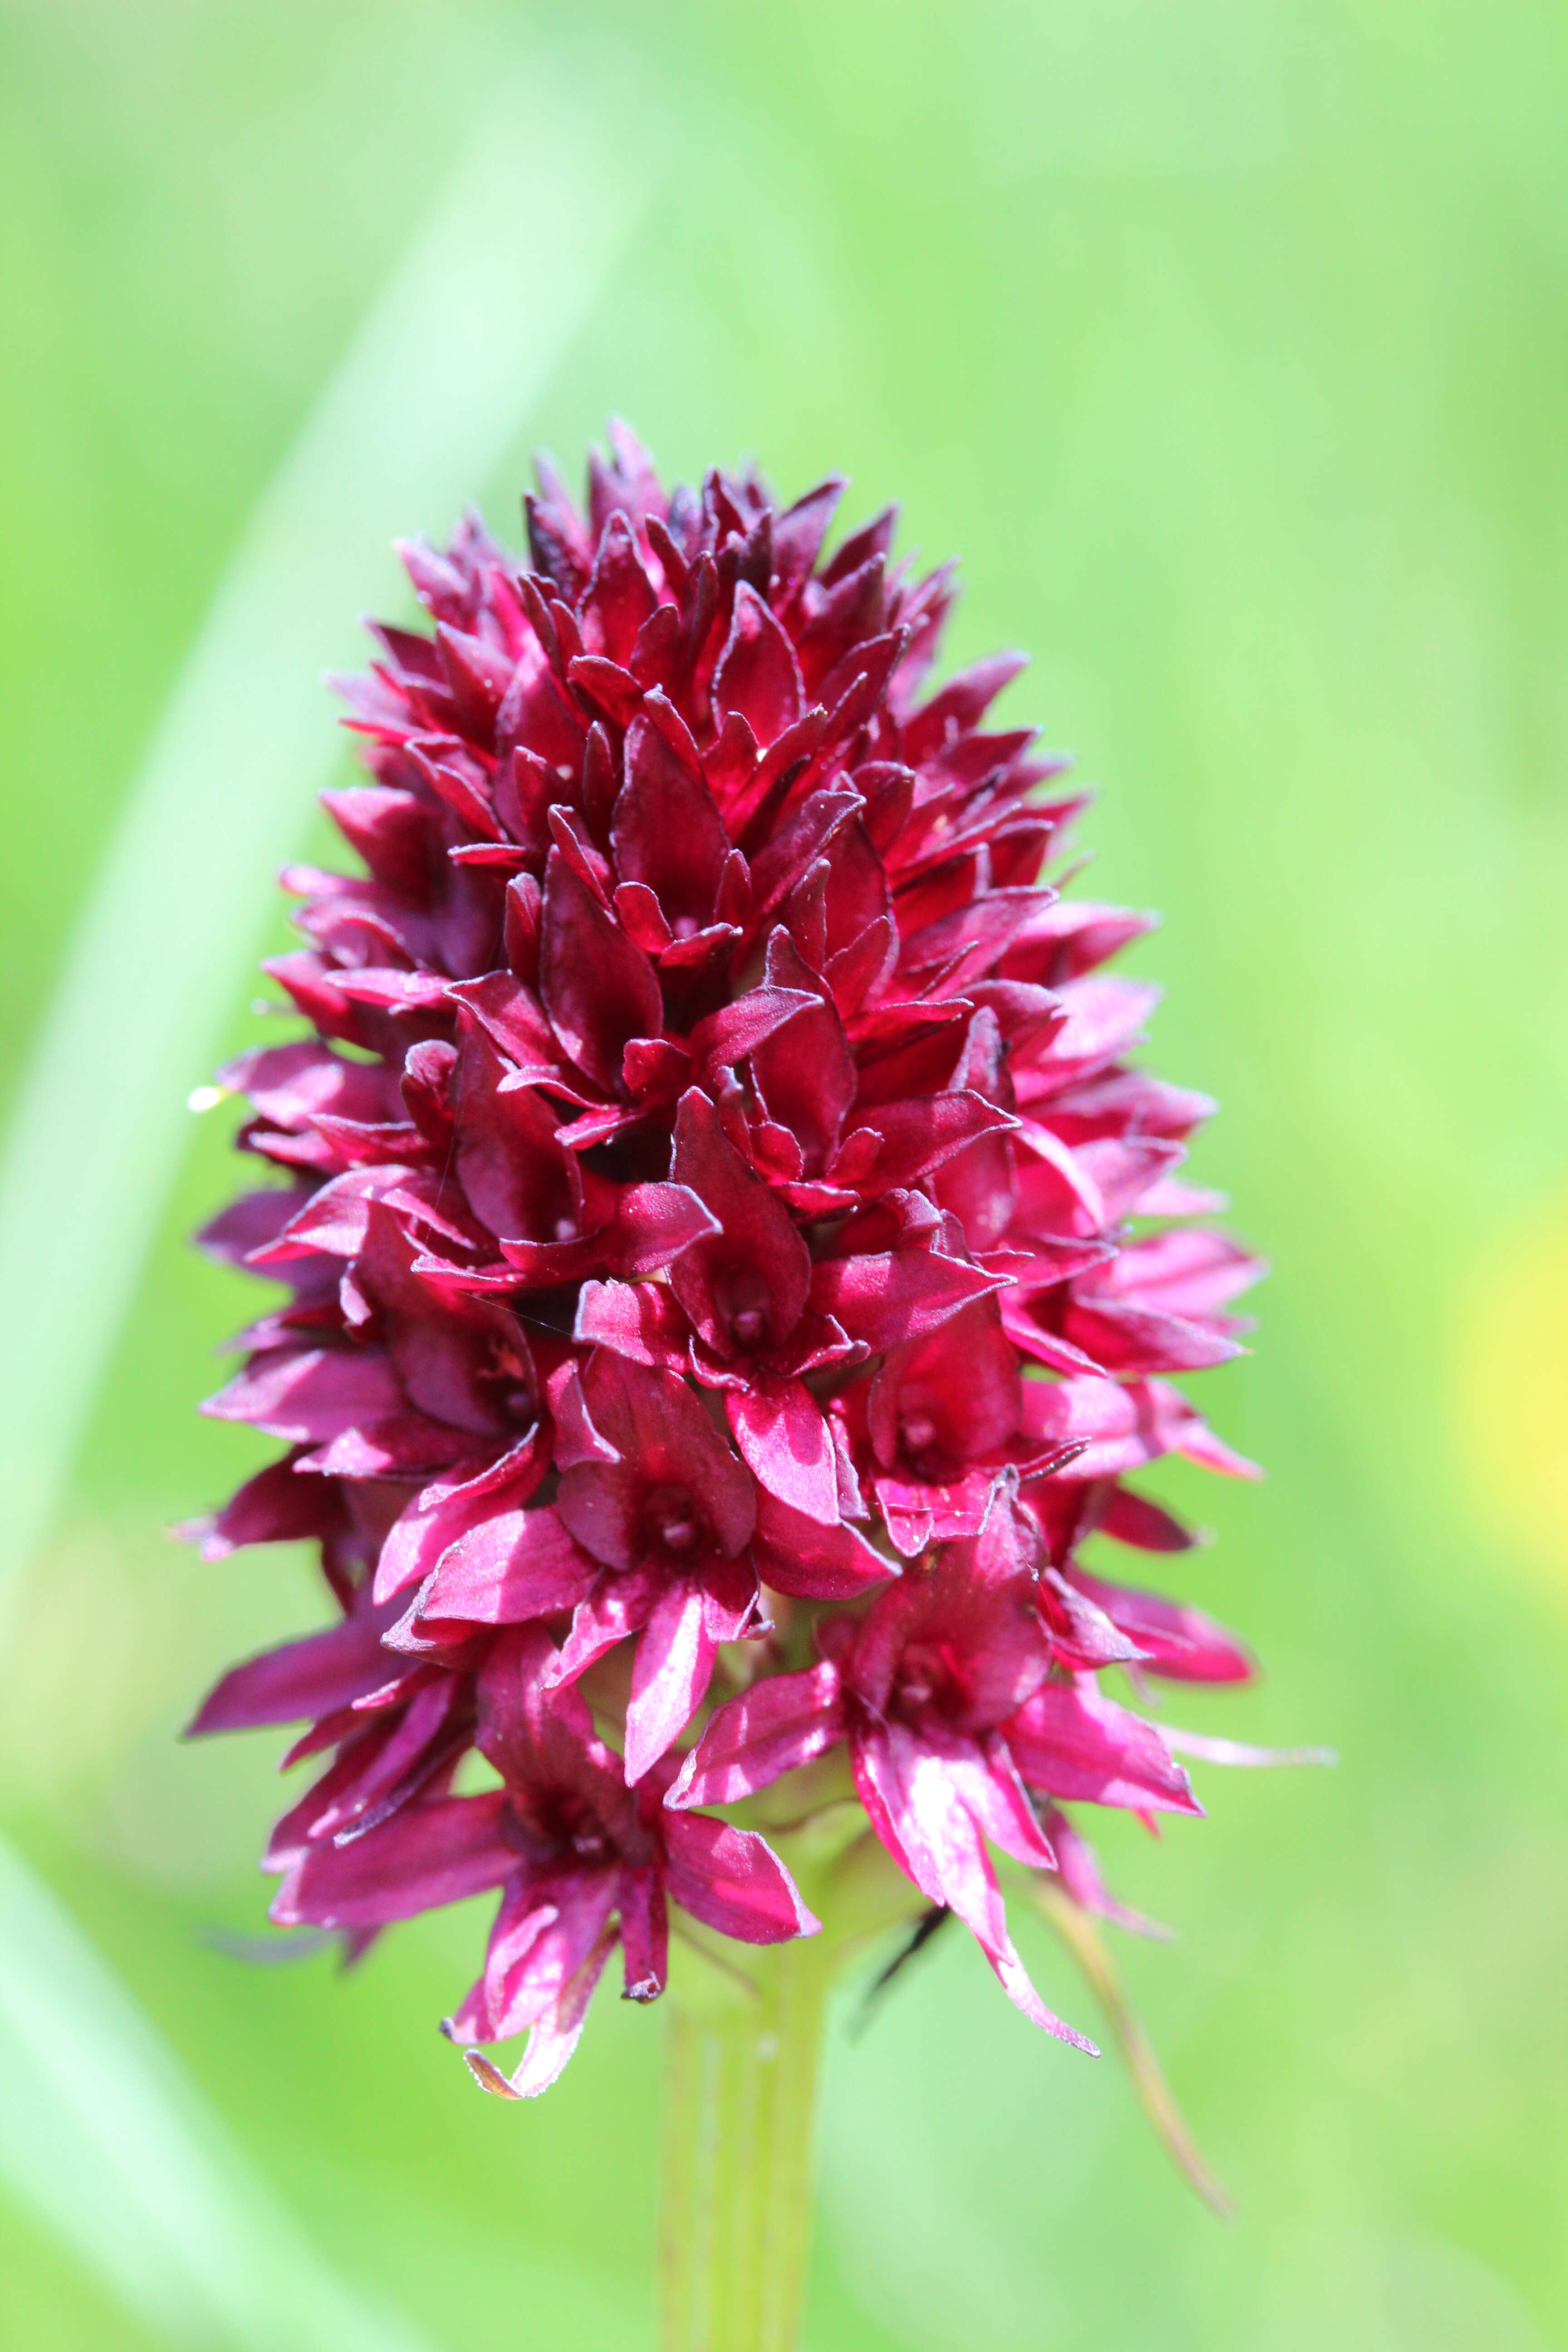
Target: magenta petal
column 886, row 1301
column 731, row 1879
column 1123, row 1425
column 517, row 1177
column 524, row 1915
column 277, row 1506
column 1208, row 1750
column 645, row 1934
column 666, row 832
column 602, row 1503
column 779, row 1722
column 1147, row 1526
column 744, row 1287
column 800, row 1556
column 732, row 1032
column 954, row 1393
column 309, row 1396
column 249, row 1224
column 800, row 529
column 619, row 597
column 918, row 1813
column 784, row 1438
column 676, row 1496
column 528, row 1968
column 599, row 990
column 1014, row 1979
column 392, row 1769
column 1081, row 1636
column 758, row 675
column 669, row 1679
column 555, row 2036
column 577, row 1440
column 729, row 1597
column 518, row 1565
column 961, row 703
column 1179, row 1644
column 660, row 1428
column 447, row 1510
column 639, row 1320
column 910, row 1138
column 654, row 1222
column 617, row 1607
column 1127, row 1337
column 1186, row 1271
column 984, row 1775
column 976, row 1608
column 805, row 1075
column 538, row 1734
column 312, row 1676
column 1069, row 1740
column 424, row 1856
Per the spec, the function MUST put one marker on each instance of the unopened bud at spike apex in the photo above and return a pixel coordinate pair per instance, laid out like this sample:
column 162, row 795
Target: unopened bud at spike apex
column 733, row 1265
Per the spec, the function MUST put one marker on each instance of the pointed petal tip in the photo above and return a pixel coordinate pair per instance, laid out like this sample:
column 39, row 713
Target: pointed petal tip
column 487, row 2076
column 1203, row 1749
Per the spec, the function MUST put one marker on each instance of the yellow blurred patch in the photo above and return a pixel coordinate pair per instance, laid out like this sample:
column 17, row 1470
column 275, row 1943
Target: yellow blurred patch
column 1511, row 1386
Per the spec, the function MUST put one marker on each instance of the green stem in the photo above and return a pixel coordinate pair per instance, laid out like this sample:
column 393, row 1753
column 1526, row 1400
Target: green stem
column 740, row 2072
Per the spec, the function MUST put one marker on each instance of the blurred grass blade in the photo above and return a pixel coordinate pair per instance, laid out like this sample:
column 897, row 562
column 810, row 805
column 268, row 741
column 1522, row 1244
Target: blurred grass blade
column 424, row 403
column 102, row 2135
column 1084, row 1941
column 105, row 2140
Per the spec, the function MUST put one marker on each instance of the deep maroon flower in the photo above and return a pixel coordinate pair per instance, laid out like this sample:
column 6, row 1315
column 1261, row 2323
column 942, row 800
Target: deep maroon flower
column 720, row 1218
column 583, row 1863
column 946, row 1695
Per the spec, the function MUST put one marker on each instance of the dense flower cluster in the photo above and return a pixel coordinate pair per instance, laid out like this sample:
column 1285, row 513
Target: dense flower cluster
column 733, row 1263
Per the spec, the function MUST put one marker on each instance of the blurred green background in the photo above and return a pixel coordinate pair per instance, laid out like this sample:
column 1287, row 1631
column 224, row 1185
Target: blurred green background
column 1227, row 344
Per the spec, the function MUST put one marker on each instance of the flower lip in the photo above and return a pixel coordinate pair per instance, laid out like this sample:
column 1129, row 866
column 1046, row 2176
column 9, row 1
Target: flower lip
column 927, row 1681
column 742, row 1301
column 917, row 1427
column 674, row 1497
column 548, row 1824
column 959, row 1643
column 673, row 1521
column 744, row 1287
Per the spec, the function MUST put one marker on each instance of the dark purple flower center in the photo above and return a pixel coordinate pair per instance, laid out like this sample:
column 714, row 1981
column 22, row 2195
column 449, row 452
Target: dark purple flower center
column 918, row 1429
column 926, row 1682
column 671, row 1522
column 548, row 1823
column 512, row 1379
column 742, row 1300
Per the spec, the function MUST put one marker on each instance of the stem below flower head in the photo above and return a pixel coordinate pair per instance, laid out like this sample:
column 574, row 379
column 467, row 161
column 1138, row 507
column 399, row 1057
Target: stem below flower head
column 735, row 2176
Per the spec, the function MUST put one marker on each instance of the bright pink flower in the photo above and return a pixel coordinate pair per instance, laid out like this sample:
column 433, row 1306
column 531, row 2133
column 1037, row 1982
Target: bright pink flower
column 715, row 1202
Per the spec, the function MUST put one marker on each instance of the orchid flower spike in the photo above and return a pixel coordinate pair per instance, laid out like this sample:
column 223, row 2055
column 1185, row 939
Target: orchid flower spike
column 732, row 1269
